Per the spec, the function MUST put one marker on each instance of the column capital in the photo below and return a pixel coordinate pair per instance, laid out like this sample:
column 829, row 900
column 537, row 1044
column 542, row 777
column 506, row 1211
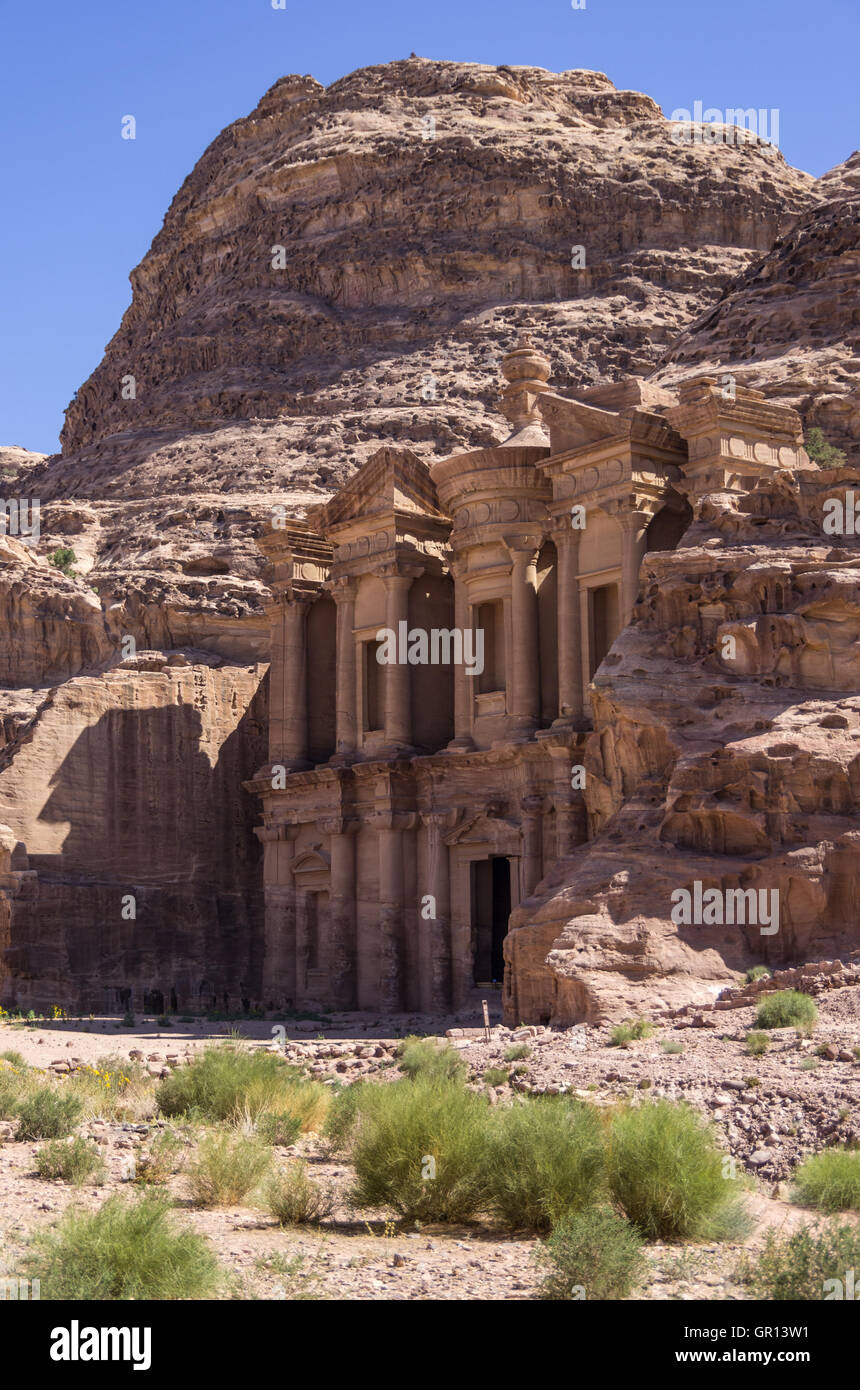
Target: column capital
column 632, row 513
column 339, row 825
column 440, row 820
column 393, row 571
column 524, row 549
column 343, row 589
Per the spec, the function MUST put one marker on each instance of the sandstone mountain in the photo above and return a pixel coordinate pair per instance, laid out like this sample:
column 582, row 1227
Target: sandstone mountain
column 789, row 325
column 427, row 213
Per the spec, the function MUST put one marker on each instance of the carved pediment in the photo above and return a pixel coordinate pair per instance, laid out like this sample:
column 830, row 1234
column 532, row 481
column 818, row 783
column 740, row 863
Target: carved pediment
column 573, row 424
column 501, row 834
column 391, row 482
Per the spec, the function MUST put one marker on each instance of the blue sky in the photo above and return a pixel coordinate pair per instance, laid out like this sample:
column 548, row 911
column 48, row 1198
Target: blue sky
column 81, row 205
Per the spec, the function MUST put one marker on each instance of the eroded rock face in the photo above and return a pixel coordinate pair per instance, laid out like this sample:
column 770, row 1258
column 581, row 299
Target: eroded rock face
column 427, row 213
column 789, row 324
column 128, row 785
column 737, row 766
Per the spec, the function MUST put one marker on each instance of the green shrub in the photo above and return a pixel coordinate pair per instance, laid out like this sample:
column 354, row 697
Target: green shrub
column 631, row 1031
column 342, row 1117
column 129, row 1020
column 160, row 1160
column 227, row 1167
column 756, row 1043
column 830, row 1180
column 595, row 1250
column 14, row 1059
column 797, row 1267
column 821, row 451
column 280, row 1129
column 226, row 1082
column 294, row 1200
column 496, row 1076
column 666, row 1173
column 758, row 972
column 125, row 1250
column 544, row 1160
column 518, row 1052
column 73, row 1160
column 787, row 1008
column 47, row 1115
column 425, row 1057
column 62, row 559
column 419, row 1149
column 672, row 1047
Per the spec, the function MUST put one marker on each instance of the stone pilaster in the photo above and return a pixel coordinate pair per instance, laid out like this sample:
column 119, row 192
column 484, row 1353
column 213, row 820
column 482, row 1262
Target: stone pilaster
column 435, row 944
column 279, row 959
column 570, row 701
column 288, row 690
column 532, row 865
column 464, row 684
column 634, row 524
column 525, row 657
column 341, row 947
column 344, row 593
column 398, row 676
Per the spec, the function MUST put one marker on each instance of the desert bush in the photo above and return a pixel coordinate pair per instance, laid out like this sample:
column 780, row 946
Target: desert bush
column 758, row 972
column 830, row 1180
column 787, row 1008
column 543, row 1160
column 797, row 1267
column 45, row 1114
column 74, row 1160
column 279, row 1129
column 595, row 1250
column 631, row 1031
column 821, row 451
column 113, row 1088
column 496, row 1076
column 342, row 1117
column 425, row 1057
column 160, row 1160
column 756, row 1043
column 518, row 1052
column 227, row 1167
column 226, row 1082
column 419, row 1149
column 124, row 1250
column 294, row 1199
column 666, row 1173
column 14, row 1059
column 672, row 1047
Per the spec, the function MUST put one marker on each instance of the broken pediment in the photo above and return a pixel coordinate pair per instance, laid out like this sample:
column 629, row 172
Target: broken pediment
column 572, row 424
column 392, row 481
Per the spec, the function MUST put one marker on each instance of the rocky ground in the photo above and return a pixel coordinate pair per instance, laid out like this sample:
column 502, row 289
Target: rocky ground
column 769, row 1111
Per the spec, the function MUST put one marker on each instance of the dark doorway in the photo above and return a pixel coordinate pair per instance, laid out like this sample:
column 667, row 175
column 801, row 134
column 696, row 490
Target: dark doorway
column 491, row 909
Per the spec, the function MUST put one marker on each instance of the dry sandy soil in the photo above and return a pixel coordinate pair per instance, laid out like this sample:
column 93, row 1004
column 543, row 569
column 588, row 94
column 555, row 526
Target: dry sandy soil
column 769, row 1112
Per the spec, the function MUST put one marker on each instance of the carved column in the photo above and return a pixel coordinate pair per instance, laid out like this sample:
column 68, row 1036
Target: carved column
column 279, row 959
column 525, row 656
column 397, row 680
column 464, row 684
column 570, row 705
column 585, row 640
column 341, row 942
column 391, row 887
column 532, row 866
column 288, row 690
column 344, row 592
column 633, row 525
column 435, row 944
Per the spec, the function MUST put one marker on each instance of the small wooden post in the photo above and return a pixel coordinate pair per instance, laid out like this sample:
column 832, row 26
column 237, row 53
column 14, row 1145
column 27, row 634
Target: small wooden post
column 486, row 1020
